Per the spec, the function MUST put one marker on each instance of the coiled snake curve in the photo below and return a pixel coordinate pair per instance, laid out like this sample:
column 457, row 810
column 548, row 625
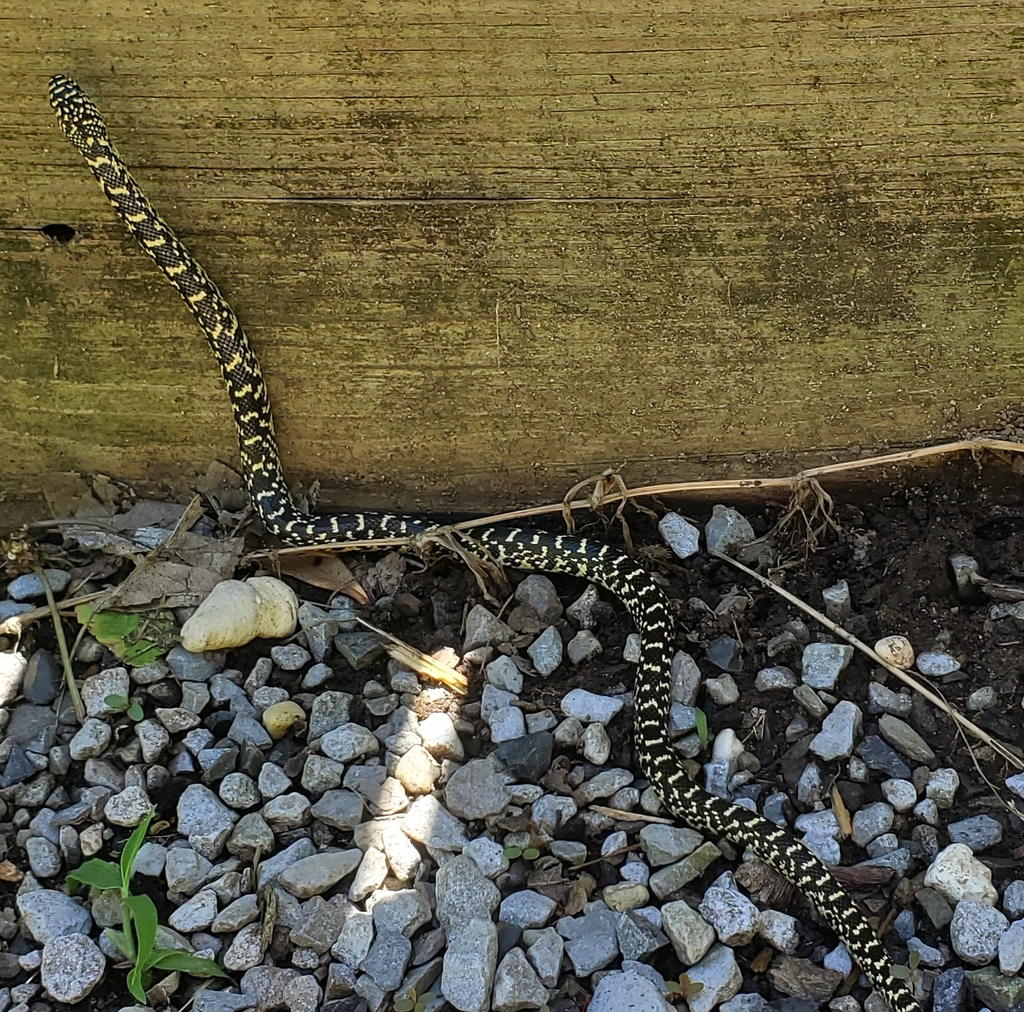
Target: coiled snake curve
column 82, row 124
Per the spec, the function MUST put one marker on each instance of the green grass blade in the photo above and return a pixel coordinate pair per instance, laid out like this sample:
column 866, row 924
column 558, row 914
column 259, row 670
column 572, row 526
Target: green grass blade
column 185, row 962
column 98, row 873
column 142, row 912
column 131, row 850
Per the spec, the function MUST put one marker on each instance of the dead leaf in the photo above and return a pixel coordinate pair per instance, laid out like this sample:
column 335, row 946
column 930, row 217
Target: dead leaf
column 579, row 894
column 68, row 492
column 169, row 584
column 9, row 873
column 842, row 813
column 387, row 574
column 326, row 570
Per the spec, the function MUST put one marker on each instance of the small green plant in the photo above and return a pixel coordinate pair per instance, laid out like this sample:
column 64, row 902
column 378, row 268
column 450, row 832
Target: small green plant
column 684, row 988
column 909, row 972
column 122, row 704
column 526, row 853
column 415, row 1002
column 701, row 722
column 139, row 920
column 136, row 640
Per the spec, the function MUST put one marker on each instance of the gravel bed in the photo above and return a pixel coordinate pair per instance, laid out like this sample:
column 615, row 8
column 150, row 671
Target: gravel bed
column 391, row 840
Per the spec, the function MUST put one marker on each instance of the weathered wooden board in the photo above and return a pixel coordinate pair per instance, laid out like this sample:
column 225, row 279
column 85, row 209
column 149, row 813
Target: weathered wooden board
column 487, row 248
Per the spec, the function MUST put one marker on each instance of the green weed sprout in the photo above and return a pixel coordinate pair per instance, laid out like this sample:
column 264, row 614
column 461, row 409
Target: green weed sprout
column 139, row 920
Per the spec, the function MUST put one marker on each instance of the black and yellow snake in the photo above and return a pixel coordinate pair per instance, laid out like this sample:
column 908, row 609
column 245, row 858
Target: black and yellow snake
column 512, row 546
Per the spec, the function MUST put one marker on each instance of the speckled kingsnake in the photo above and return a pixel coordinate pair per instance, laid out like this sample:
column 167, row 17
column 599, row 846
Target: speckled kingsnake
column 512, row 546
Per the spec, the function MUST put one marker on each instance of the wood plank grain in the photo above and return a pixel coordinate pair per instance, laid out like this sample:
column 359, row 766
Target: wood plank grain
column 489, row 248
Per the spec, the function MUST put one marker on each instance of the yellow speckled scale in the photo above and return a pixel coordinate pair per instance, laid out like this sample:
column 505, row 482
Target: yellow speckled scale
column 525, row 549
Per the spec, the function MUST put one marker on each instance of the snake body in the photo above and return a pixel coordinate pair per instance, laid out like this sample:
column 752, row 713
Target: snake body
column 83, row 125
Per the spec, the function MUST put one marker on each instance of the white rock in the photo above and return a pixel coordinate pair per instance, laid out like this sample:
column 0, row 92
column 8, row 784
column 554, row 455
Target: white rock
column 896, row 650
column 959, row 875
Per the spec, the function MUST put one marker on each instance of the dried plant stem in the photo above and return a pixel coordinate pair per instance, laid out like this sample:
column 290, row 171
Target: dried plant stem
column 62, row 643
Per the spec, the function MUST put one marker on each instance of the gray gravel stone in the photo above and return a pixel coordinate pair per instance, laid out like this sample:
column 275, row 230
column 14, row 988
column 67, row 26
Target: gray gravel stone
column 734, row 918
column 838, row 732
column 196, row 914
column 483, row 629
column 370, row 875
column 49, row 914
column 360, row 648
column 348, row 742
column 29, row 586
column 189, row 667
column 904, row 738
column 882, row 699
column 779, row 930
column 546, row 651
column 507, row 724
column 591, row 940
column 314, row 875
column 71, row 967
column 340, row 809
column 43, row 857
column 539, row 593
column 775, row 679
column 837, row 601
column 271, row 867
column 526, row 909
column 430, row 823
column 516, row 984
column 463, row 893
column 545, row 954
column 722, row 690
column 128, row 808
column 665, row 844
column 581, row 611
column 604, row 785
column 91, row 739
column 871, row 821
column 901, row 794
column 984, row 698
column 878, row 755
column 356, row 936
column 691, row 936
column 330, row 710
column 387, row 959
column 588, row 706
column 680, row 535
column 583, row 646
column 95, row 690
column 469, row 965
column 822, row 664
column 975, row 931
column 290, row 656
column 1013, row 899
column 237, row 915
column 637, row 936
column 205, row 820
column 979, row 832
column 935, row 664
column 630, row 991
column 720, row 977
column 477, row 790
column 239, row 791
column 667, row 880
column 504, row 673
column 1011, row 949
column 440, row 738
column 726, row 529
